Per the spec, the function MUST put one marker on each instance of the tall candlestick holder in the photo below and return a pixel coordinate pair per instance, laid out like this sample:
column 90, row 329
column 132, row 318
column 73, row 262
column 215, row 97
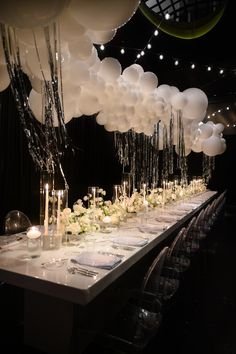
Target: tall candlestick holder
column 117, row 193
column 126, row 184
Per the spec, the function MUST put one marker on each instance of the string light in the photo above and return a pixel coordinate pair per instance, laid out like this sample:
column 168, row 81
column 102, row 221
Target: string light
column 221, row 112
column 176, row 61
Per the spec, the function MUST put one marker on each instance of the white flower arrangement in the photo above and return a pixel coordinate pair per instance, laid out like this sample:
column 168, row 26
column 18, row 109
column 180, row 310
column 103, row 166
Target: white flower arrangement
column 90, row 219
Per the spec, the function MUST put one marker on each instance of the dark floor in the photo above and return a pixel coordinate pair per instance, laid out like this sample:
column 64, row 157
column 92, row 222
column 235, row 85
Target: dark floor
column 201, row 319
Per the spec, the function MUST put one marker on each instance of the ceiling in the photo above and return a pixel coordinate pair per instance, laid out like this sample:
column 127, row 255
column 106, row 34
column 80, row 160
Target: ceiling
column 215, row 49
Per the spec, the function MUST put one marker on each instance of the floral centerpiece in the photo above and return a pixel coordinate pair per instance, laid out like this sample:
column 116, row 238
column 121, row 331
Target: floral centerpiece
column 100, row 213
column 79, row 220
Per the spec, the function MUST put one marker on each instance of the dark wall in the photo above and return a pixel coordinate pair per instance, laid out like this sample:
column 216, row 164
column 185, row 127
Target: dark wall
column 92, row 161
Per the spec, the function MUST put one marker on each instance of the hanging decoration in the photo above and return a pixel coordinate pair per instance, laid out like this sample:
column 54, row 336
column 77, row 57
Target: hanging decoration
column 46, row 143
column 58, row 61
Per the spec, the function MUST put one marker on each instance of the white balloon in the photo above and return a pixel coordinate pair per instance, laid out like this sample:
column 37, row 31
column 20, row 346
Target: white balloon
column 218, row 128
column 79, row 72
column 174, row 90
column 138, row 68
column 187, row 150
column 91, row 61
column 4, row 78
column 131, row 98
column 81, row 47
column 36, row 84
column 148, row 130
column 96, row 66
column 212, row 146
column 197, row 145
column 38, row 63
column 131, row 74
column 206, row 131
column 31, row 36
column 165, row 92
column 223, row 144
column 110, row 127
column 101, row 118
column 101, row 37
column 210, row 123
column 148, row 81
column 29, row 14
column 197, row 117
column 2, row 54
column 110, row 69
column 88, row 103
column 37, row 107
column 197, row 103
column 179, row 100
column 95, row 84
column 103, row 15
column 70, row 29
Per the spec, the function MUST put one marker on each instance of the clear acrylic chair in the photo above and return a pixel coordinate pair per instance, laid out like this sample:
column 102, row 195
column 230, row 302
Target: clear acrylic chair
column 179, row 257
column 163, row 280
column 191, row 240
column 15, row 222
column 139, row 321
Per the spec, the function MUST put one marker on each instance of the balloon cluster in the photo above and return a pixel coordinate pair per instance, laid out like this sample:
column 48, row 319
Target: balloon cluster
column 124, row 100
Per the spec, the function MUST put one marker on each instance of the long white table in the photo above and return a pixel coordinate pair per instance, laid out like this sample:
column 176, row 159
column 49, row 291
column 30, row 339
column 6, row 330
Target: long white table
column 52, row 296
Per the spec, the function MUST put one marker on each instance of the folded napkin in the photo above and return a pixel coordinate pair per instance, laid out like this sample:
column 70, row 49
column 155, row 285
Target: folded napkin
column 130, row 241
column 97, row 260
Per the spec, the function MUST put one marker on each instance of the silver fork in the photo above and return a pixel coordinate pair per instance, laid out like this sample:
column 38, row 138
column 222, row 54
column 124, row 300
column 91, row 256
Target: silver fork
column 82, row 271
column 124, row 247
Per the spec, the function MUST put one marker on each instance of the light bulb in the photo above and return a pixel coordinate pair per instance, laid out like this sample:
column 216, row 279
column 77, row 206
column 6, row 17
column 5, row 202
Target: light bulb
column 161, row 56
column 156, row 32
column 102, row 47
column 122, row 51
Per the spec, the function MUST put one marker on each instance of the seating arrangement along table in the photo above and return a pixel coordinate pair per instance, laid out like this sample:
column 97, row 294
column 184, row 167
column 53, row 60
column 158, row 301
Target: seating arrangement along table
column 66, row 308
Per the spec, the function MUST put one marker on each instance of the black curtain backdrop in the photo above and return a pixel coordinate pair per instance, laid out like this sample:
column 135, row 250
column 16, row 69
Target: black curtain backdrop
column 91, row 162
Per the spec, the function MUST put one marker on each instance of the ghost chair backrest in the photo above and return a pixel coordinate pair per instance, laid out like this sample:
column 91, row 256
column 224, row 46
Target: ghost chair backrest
column 151, row 281
column 178, row 258
column 16, row 221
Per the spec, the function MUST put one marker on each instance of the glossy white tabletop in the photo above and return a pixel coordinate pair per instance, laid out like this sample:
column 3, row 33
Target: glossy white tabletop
column 17, row 268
